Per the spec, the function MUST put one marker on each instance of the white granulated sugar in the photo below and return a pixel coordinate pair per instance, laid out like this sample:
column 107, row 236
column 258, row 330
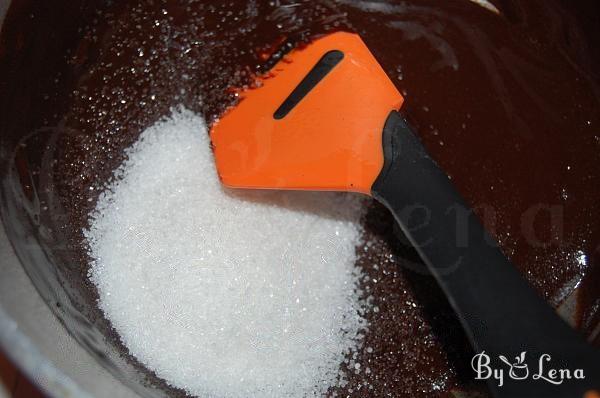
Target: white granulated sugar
column 223, row 293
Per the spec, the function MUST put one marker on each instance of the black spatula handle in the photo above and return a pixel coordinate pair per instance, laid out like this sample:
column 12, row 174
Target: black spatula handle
column 501, row 313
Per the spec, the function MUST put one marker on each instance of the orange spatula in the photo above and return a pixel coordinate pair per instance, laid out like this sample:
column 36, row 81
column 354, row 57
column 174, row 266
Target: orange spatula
column 325, row 118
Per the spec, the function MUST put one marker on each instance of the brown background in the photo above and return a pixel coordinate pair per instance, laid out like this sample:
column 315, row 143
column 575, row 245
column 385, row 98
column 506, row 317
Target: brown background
column 15, row 382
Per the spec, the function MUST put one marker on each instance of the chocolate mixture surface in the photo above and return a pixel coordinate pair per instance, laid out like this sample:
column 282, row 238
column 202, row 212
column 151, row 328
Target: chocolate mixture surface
column 506, row 99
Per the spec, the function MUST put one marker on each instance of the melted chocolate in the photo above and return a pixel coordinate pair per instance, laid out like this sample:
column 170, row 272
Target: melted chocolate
column 508, row 103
